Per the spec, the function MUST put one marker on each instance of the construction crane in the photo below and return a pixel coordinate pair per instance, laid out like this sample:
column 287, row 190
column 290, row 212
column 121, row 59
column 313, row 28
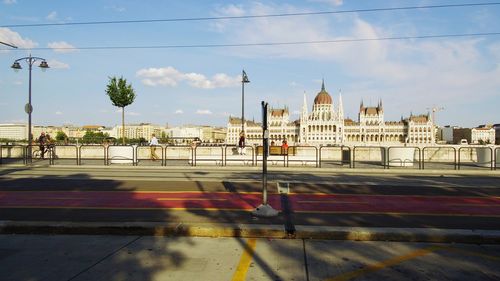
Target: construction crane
column 434, row 110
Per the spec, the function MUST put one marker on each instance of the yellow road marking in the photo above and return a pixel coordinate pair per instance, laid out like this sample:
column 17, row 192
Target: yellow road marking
column 191, row 199
column 475, row 205
column 332, row 201
column 471, row 253
column 245, row 260
column 245, row 209
column 384, row 264
column 393, row 213
column 58, row 198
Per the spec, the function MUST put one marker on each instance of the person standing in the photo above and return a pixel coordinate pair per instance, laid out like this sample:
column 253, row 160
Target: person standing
column 42, row 141
column 152, row 145
column 284, row 147
column 241, row 144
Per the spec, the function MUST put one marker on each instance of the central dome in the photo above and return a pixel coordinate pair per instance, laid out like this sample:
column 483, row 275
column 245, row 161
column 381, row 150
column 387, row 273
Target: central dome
column 323, row 97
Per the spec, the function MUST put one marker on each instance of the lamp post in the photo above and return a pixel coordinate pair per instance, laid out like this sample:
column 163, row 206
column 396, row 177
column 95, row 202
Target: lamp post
column 7, row 44
column 28, row 108
column 244, row 79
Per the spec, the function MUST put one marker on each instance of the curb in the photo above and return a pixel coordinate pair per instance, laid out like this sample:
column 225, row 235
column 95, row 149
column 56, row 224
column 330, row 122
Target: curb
column 255, row 231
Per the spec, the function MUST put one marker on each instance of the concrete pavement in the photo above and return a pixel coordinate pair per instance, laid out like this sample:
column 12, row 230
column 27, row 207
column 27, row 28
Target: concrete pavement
column 114, row 258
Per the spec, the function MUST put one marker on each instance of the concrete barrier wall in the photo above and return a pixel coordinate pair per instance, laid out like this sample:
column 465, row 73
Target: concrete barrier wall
column 466, row 153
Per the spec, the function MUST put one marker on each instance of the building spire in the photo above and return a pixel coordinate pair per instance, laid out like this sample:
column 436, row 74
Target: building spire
column 341, row 107
column 323, row 85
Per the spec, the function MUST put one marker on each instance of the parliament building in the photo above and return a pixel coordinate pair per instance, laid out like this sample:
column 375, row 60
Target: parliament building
column 325, row 124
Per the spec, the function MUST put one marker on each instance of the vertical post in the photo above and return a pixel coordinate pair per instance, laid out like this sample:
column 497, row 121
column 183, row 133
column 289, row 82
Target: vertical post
column 265, row 152
column 243, row 104
column 244, row 79
column 264, row 210
column 30, row 137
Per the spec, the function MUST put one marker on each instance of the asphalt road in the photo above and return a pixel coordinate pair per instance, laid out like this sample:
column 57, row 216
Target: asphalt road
column 221, row 195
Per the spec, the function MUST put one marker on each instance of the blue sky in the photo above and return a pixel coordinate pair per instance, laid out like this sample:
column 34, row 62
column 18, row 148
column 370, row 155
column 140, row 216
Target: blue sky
column 201, row 86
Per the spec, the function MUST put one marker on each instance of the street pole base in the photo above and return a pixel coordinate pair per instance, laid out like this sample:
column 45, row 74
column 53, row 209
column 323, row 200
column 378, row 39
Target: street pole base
column 265, row 211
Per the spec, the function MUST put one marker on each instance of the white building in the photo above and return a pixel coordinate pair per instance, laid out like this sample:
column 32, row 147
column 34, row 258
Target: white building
column 326, row 125
column 14, row 131
column 186, row 134
column 484, row 134
column 136, row 131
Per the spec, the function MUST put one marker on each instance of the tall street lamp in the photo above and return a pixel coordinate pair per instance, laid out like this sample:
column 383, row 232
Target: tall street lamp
column 28, row 108
column 7, row 44
column 244, row 79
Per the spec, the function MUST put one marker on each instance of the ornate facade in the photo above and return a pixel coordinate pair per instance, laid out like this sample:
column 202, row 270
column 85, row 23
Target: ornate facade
column 326, row 125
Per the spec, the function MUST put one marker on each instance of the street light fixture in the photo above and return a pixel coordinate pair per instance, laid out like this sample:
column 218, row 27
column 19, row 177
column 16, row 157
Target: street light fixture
column 244, row 79
column 29, row 108
column 7, row 44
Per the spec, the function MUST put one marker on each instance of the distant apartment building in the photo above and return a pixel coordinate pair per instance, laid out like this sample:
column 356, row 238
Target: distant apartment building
column 446, row 134
column 136, row 131
column 186, row 134
column 497, row 133
column 483, row 134
column 14, row 131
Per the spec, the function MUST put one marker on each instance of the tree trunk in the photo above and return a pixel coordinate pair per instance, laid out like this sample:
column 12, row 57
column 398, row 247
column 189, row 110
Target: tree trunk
column 123, row 125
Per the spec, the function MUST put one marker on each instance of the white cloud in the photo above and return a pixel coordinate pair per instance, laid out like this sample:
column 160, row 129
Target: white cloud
column 331, row 2
column 14, row 38
column 179, row 111
column 417, row 72
column 17, row 82
column 58, row 113
column 169, row 76
column 55, row 64
column 204, row 112
column 9, row 2
column 116, row 8
column 61, row 47
column 52, row 15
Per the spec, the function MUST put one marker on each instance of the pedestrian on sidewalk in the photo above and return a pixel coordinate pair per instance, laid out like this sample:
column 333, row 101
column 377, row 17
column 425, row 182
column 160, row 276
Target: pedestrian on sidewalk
column 241, row 144
column 284, row 147
column 152, row 145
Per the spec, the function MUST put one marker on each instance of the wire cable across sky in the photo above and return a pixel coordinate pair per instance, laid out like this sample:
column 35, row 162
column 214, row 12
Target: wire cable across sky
column 266, row 43
column 252, row 16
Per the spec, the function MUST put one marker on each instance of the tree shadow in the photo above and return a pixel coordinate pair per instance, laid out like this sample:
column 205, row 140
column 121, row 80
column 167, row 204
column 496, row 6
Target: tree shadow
column 77, row 199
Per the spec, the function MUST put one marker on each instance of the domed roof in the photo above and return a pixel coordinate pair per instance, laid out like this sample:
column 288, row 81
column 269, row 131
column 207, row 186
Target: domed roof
column 323, row 97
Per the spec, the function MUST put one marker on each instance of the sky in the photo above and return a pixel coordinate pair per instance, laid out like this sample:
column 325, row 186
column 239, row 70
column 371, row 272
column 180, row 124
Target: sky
column 202, row 85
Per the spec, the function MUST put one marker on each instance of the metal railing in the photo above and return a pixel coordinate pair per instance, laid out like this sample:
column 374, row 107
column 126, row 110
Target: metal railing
column 436, row 152
column 298, row 154
column 234, row 156
column 374, row 159
column 434, row 157
column 92, row 156
column 476, row 157
column 403, row 156
column 204, row 154
column 344, row 157
column 179, row 155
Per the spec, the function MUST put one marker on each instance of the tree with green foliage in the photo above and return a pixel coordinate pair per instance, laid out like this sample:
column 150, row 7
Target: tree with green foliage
column 121, row 95
column 61, row 136
column 94, row 137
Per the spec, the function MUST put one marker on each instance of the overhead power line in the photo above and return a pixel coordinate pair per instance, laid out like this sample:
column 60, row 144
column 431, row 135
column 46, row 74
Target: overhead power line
column 253, row 16
column 268, row 43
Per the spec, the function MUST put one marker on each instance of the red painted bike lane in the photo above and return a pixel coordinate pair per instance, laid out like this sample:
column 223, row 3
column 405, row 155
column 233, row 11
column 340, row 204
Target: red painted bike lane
column 299, row 202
